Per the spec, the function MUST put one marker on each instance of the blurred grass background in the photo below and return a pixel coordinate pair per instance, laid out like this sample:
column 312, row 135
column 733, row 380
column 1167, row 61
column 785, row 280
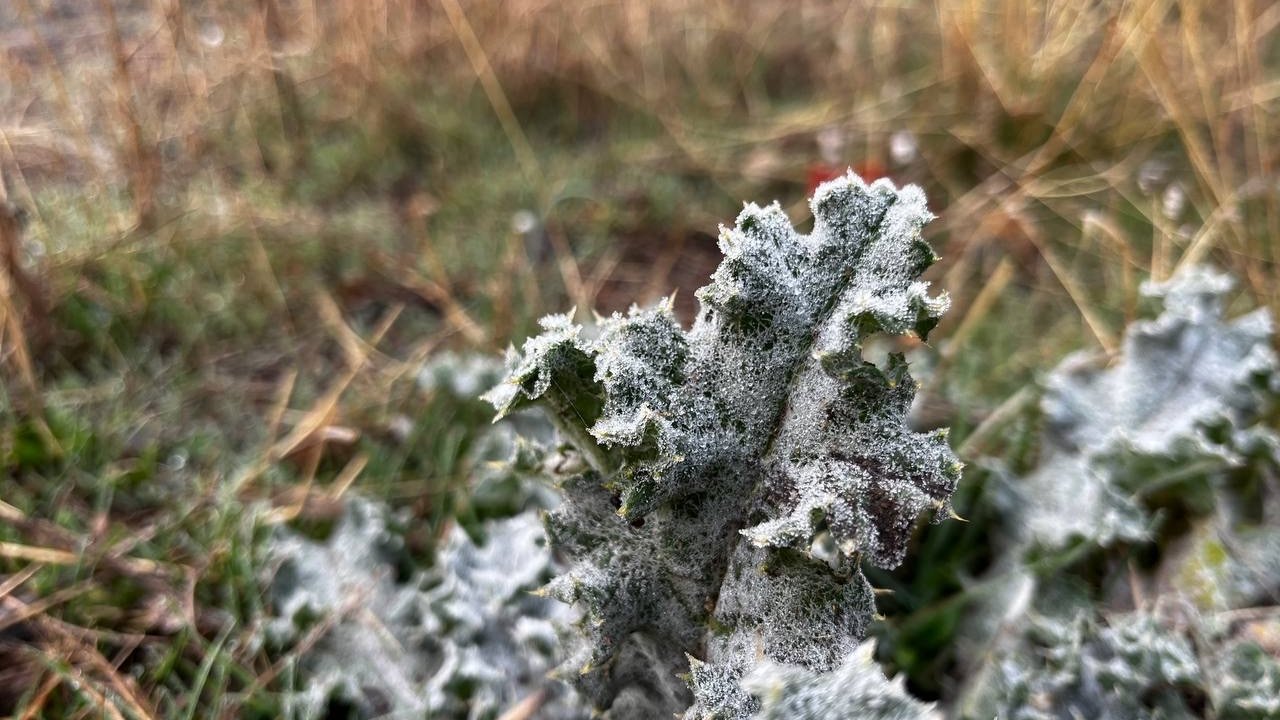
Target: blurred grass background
column 231, row 232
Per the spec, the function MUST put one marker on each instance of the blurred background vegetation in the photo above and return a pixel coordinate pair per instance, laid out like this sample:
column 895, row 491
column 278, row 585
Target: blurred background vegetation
column 232, row 231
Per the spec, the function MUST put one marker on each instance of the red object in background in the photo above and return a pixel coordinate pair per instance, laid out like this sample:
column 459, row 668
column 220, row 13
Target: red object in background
column 820, row 172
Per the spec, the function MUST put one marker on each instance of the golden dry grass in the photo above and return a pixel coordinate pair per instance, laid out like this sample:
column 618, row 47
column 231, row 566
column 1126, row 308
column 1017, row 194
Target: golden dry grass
column 336, row 180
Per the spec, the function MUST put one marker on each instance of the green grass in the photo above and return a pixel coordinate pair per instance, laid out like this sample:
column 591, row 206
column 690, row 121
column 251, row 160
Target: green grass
column 295, row 278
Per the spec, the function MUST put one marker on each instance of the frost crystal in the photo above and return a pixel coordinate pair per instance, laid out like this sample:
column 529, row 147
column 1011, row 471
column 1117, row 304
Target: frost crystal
column 465, row 639
column 854, row 690
column 718, row 454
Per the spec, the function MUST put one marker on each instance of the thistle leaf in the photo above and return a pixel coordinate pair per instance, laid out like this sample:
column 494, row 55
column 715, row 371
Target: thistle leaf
column 720, row 453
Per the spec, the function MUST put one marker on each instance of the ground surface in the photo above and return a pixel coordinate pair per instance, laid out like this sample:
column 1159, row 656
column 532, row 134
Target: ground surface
column 235, row 230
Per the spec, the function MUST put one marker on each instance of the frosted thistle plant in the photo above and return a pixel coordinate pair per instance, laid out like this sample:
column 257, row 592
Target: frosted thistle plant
column 719, row 455
column 1186, row 391
column 1133, row 667
column 1248, row 685
column 1176, row 425
column 856, row 689
column 463, row 639
column 1139, row 664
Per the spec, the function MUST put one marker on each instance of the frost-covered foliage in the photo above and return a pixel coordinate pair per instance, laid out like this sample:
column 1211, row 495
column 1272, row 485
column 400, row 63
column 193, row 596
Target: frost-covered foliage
column 1133, row 665
column 1185, row 394
column 504, row 463
column 1247, row 684
column 1170, row 442
column 464, row 639
column 461, row 375
column 1073, row 668
column 855, row 689
column 719, row 455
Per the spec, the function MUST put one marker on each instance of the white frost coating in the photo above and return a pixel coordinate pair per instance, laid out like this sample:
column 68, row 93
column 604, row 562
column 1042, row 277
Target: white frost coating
column 1177, row 379
column 856, row 690
column 462, row 376
column 530, row 374
column 503, row 638
column 719, row 453
column 1132, row 667
column 1247, row 684
column 1177, row 423
column 465, row 639
column 315, row 580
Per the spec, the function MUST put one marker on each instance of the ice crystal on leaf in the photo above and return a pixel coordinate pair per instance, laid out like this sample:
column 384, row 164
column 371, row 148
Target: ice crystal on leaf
column 718, row 455
column 854, row 690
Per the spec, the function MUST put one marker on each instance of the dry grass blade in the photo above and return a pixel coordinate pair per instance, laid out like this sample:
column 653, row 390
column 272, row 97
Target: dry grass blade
column 1207, row 236
column 1101, row 333
column 347, row 477
column 568, row 266
column 83, row 654
column 323, row 409
column 51, row 556
column 439, row 296
column 83, row 685
column 36, row 707
column 570, row 273
column 30, row 288
column 493, row 89
column 305, row 501
column 527, row 708
column 978, row 309
column 14, row 551
column 15, row 581
column 353, row 346
column 280, row 402
column 113, row 556
column 1012, row 407
column 22, row 307
column 20, row 612
column 142, row 162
